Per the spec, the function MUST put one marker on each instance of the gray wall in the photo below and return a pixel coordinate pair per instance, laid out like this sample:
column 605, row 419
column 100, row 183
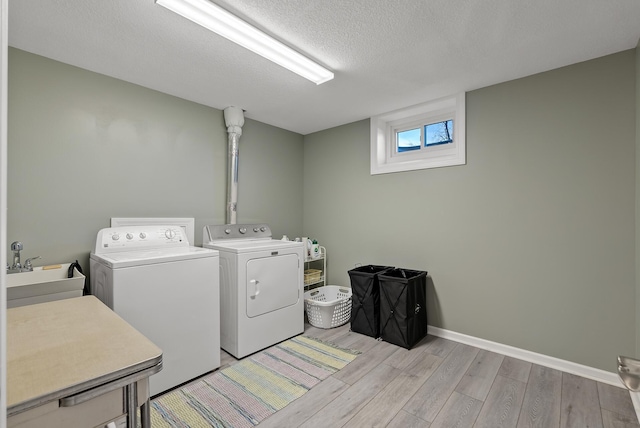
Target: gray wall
column 531, row 243
column 84, row 147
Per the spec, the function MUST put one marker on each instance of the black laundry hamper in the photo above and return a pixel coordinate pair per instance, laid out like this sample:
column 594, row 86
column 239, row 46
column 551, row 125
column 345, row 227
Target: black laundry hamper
column 365, row 300
column 403, row 306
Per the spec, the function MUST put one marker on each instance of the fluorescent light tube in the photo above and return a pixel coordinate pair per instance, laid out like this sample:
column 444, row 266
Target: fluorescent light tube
column 218, row 20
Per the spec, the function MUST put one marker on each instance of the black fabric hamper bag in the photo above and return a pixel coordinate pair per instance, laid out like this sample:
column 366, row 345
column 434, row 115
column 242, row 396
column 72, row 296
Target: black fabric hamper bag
column 403, row 306
column 365, row 299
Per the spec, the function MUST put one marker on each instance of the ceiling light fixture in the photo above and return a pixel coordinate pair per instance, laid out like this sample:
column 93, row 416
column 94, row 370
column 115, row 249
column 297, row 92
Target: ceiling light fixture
column 218, row 20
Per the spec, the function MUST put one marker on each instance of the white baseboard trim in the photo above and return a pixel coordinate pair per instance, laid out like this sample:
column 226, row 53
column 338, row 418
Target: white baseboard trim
column 532, row 357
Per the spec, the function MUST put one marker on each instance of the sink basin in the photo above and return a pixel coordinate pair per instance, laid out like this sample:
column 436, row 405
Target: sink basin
column 629, row 372
column 43, row 285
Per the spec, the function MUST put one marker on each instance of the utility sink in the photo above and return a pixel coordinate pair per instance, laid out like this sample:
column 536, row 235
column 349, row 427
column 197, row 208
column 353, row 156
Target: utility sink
column 43, row 285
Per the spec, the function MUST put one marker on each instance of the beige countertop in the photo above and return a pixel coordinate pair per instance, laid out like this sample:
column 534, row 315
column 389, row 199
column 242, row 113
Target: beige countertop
column 60, row 348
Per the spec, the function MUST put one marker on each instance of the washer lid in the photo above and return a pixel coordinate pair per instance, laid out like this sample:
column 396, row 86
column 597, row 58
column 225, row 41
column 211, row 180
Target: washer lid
column 124, row 259
column 250, row 245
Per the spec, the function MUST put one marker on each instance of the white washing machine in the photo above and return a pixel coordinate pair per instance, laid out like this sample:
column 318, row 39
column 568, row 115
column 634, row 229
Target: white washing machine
column 167, row 290
column 261, row 287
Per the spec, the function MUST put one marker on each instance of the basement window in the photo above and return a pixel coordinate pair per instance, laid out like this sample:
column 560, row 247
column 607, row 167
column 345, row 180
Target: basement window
column 428, row 135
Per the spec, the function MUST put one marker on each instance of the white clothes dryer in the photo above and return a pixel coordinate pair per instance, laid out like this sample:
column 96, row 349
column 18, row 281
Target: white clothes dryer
column 261, row 287
column 167, row 290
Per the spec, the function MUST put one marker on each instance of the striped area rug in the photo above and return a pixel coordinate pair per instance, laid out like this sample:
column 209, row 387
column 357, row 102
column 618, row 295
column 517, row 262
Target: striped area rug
column 244, row 394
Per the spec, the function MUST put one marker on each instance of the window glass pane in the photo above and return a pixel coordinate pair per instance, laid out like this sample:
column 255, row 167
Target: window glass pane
column 408, row 140
column 438, row 133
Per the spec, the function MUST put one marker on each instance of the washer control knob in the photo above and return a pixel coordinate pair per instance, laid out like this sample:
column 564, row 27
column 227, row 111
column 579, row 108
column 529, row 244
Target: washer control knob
column 227, row 231
column 115, row 236
column 170, row 233
column 129, row 235
column 262, row 229
column 255, row 229
column 142, row 235
column 243, row 230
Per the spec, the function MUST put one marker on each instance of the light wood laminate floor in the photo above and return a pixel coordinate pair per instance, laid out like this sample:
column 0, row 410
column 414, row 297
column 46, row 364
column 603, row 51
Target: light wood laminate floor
column 441, row 383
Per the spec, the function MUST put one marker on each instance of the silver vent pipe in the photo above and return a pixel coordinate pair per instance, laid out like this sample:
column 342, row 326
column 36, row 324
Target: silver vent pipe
column 234, row 120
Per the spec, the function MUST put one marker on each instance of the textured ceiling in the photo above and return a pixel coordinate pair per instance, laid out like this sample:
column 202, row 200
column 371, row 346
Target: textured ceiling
column 386, row 54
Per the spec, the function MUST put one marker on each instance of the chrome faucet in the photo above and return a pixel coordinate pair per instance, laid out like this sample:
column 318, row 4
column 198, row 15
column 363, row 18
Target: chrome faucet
column 16, row 247
column 16, row 267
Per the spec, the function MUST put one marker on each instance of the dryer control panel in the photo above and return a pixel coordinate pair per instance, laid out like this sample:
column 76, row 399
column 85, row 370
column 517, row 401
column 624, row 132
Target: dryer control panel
column 216, row 232
column 127, row 238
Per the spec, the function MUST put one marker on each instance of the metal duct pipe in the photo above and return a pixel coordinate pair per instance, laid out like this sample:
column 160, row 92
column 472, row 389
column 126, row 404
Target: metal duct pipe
column 234, row 119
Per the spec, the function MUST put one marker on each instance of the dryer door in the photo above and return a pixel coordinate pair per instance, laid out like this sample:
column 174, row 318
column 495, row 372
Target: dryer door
column 272, row 283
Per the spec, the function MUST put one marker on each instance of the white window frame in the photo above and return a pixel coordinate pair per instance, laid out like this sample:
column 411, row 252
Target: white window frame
column 385, row 158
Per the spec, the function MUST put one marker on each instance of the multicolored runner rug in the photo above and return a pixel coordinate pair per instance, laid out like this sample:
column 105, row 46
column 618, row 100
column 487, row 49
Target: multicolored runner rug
column 244, row 394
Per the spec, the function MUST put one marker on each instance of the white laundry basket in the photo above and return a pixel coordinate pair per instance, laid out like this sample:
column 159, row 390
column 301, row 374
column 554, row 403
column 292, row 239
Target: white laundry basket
column 328, row 306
